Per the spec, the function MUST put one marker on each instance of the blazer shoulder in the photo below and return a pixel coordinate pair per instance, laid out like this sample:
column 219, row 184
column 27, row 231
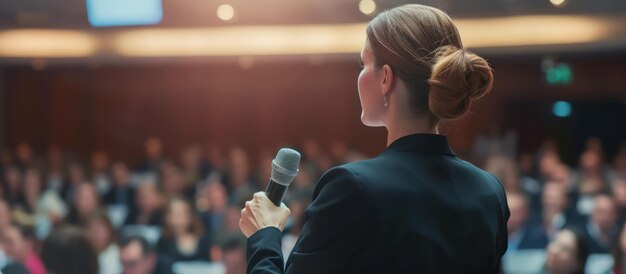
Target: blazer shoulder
column 346, row 177
column 491, row 179
column 496, row 185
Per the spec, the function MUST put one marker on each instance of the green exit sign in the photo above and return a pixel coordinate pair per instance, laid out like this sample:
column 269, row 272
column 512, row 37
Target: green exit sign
column 559, row 74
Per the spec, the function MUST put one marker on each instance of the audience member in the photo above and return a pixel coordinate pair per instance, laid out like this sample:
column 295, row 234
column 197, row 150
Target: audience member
column 233, row 249
column 619, row 196
column 149, row 204
column 100, row 171
column 25, row 157
column 173, row 182
column 619, row 252
column 85, row 202
column 602, row 228
column 153, row 150
column 68, row 251
column 554, row 204
column 28, row 202
column 238, row 179
column 138, row 257
column 619, row 162
column 194, row 169
column 523, row 234
column 567, row 253
column 212, row 204
column 5, row 214
column 120, row 193
column 18, row 243
column 183, row 236
column 55, row 169
column 12, row 184
column 75, row 177
column 102, row 237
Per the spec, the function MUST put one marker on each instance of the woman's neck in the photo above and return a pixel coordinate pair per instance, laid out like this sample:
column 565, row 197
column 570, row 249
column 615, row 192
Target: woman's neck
column 398, row 127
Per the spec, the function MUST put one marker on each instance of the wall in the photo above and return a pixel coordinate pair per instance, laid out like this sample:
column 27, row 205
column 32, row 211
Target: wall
column 272, row 104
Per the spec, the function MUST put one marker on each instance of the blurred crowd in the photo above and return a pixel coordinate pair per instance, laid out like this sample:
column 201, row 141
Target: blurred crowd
column 162, row 215
column 179, row 215
column 564, row 219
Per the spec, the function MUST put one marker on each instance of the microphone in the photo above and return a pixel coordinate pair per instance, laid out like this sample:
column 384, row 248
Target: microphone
column 284, row 169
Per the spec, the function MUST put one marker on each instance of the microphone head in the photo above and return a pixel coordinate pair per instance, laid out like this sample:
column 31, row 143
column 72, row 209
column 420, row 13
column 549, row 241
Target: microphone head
column 285, row 165
column 288, row 158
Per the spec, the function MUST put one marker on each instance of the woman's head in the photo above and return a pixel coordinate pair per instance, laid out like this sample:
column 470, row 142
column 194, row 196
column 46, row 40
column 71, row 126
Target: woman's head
column 567, row 253
column 416, row 52
column 173, row 181
column 180, row 218
column 32, row 182
column 86, row 199
column 75, row 173
column 12, row 179
column 213, row 197
column 148, row 197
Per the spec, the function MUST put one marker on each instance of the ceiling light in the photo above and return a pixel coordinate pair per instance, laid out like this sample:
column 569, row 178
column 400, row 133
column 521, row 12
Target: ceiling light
column 367, row 7
column 46, row 43
column 225, row 12
column 557, row 3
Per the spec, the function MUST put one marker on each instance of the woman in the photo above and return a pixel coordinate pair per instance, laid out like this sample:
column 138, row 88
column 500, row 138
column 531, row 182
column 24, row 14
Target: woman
column 567, row 253
column 12, row 184
column 183, row 238
column 75, row 175
column 28, row 202
column 85, row 202
column 416, row 208
column 102, row 236
column 149, row 206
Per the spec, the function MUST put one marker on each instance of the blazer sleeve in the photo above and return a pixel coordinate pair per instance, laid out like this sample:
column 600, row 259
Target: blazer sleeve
column 334, row 229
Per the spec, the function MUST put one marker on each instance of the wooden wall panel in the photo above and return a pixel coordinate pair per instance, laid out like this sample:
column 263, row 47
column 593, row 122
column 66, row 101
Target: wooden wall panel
column 274, row 103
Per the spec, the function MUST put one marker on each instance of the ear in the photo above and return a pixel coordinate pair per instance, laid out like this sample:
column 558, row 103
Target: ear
column 387, row 80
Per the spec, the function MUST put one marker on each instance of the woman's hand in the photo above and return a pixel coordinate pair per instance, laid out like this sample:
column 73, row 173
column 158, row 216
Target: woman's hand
column 260, row 212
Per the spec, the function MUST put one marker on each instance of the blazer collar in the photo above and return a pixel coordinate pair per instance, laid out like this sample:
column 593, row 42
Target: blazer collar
column 423, row 142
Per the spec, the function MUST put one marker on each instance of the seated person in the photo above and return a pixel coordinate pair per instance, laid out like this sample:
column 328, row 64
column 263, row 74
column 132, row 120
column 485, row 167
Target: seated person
column 183, row 236
column 148, row 210
column 602, row 229
column 138, row 257
column 567, row 253
column 523, row 234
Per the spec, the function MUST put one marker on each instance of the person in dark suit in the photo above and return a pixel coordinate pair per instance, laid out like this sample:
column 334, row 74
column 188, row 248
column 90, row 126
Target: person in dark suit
column 417, row 207
column 524, row 233
column 602, row 228
column 121, row 193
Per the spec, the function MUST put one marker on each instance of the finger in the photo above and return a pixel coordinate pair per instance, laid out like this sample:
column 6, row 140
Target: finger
column 247, row 230
column 243, row 227
column 259, row 195
column 247, row 227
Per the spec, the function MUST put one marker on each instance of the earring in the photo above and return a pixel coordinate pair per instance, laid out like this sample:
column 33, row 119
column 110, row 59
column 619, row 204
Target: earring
column 385, row 99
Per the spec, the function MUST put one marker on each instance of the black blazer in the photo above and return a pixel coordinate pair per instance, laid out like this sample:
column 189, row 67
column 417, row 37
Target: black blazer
column 416, row 208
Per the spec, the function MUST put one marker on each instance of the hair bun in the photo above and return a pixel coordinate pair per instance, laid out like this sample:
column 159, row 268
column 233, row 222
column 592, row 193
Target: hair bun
column 458, row 78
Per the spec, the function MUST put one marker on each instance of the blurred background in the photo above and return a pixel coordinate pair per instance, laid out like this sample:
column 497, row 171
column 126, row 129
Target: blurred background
column 148, row 123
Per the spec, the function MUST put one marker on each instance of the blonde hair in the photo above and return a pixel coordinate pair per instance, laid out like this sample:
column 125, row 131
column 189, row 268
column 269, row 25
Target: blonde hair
column 423, row 47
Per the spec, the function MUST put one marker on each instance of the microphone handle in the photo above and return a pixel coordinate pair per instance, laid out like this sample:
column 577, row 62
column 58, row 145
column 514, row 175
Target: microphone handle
column 276, row 192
